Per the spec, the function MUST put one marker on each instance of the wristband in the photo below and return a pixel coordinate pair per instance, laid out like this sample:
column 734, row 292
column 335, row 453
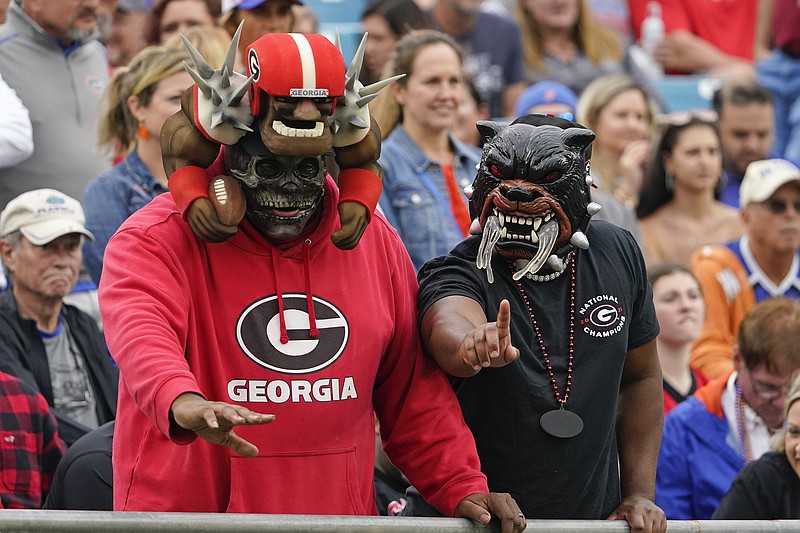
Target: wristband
column 186, row 185
column 360, row 185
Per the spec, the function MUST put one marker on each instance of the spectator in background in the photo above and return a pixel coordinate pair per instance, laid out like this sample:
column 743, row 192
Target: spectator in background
column 552, row 97
column 746, row 122
column 126, row 36
column 677, row 210
column 493, row 48
column 778, row 69
column 305, row 20
column 262, row 16
column 168, row 17
column 211, row 41
column 564, row 42
column 727, row 423
column 623, row 117
column 84, row 479
column 16, row 132
column 61, row 93
column 769, row 487
column 425, row 168
column 54, row 347
column 547, row 98
column 764, row 263
column 471, row 109
column 31, row 446
column 707, row 37
column 3, row 10
column 681, row 312
column 139, row 99
column 386, row 21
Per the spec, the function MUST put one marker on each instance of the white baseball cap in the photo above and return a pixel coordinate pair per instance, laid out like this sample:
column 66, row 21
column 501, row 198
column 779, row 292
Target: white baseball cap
column 43, row 215
column 763, row 178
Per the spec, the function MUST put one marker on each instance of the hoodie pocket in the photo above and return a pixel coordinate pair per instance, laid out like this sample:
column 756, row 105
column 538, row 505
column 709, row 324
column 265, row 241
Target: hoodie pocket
column 318, row 482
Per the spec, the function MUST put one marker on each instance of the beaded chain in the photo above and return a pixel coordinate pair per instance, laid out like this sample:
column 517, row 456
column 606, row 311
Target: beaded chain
column 741, row 424
column 561, row 401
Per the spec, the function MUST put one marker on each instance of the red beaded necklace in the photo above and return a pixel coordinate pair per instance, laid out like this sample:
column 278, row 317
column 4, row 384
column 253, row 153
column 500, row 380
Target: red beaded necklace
column 741, row 424
column 560, row 422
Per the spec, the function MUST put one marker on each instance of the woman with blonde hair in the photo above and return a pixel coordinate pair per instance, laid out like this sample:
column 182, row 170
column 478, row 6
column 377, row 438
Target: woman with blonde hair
column 622, row 116
column 769, row 487
column 425, row 167
column 138, row 100
column 564, row 42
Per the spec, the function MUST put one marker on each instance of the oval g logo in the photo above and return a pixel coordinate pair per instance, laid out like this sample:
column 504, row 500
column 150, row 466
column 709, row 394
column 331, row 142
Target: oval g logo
column 603, row 315
column 252, row 64
column 258, row 334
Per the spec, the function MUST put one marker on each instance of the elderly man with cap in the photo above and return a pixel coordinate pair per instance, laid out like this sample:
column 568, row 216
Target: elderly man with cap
column 51, row 345
column 763, row 263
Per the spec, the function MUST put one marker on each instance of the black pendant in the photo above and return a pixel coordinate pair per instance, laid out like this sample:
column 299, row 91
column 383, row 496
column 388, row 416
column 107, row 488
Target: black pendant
column 561, row 423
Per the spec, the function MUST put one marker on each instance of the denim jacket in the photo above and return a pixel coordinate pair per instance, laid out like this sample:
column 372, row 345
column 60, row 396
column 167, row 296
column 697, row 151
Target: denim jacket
column 414, row 198
column 109, row 200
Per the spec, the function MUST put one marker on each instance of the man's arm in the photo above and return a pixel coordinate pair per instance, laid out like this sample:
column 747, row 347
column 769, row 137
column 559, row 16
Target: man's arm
column 455, row 331
column 685, row 52
column 640, row 416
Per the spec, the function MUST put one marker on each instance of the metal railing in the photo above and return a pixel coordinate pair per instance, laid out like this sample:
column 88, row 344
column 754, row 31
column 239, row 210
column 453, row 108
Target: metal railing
column 30, row 521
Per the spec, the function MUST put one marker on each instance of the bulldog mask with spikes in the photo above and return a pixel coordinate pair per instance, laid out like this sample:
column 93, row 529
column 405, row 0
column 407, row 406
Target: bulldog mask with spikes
column 531, row 197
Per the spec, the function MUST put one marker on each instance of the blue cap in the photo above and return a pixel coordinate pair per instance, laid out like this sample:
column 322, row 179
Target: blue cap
column 227, row 5
column 545, row 92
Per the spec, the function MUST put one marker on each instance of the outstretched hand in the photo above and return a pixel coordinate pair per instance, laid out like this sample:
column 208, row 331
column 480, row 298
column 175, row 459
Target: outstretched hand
column 354, row 219
column 490, row 343
column 214, row 421
column 481, row 506
column 205, row 223
column 642, row 515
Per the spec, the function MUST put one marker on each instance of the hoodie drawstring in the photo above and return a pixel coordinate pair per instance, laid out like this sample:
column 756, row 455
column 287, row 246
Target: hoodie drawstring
column 312, row 319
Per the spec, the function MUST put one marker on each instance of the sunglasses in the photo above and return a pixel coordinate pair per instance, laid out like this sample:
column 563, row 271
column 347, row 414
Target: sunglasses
column 778, row 206
column 682, row 118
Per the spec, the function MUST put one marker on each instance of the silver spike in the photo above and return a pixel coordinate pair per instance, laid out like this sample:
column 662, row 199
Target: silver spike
column 216, row 99
column 225, row 81
column 475, row 228
column 338, row 40
column 579, row 240
column 358, row 122
column 361, row 102
column 216, row 119
column 593, row 208
column 240, row 91
column 354, row 70
column 201, row 83
column 244, row 127
column 469, row 191
column 335, row 126
column 230, row 56
column 589, row 181
column 378, row 85
column 202, row 66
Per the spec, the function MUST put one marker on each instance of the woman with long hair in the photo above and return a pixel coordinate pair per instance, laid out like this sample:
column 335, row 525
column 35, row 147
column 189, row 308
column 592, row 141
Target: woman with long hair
column 138, row 100
column 563, row 41
column 425, row 167
column 678, row 210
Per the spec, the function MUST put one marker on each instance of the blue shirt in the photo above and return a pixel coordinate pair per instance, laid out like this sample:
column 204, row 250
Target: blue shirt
column 110, row 199
column 415, row 199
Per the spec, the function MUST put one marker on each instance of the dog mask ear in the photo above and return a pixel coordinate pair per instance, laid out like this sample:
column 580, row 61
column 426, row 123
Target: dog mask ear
column 489, row 128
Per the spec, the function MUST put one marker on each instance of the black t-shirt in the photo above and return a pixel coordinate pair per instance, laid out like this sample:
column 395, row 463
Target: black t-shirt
column 574, row 478
column 765, row 489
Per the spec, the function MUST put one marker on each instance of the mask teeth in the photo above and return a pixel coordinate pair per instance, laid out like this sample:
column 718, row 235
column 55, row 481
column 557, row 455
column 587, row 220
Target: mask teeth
column 491, row 234
column 579, row 240
column 547, row 240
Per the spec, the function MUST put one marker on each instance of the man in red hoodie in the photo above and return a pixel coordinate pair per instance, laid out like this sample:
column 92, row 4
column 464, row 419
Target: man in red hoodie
column 277, row 319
